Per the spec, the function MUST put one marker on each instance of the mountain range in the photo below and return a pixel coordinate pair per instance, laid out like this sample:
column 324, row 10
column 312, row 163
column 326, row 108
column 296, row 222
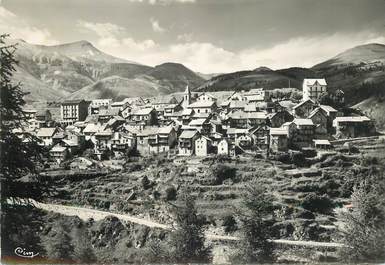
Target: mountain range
column 79, row 70
column 359, row 72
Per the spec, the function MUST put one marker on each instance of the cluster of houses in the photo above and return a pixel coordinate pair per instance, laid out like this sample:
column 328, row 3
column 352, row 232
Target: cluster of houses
column 201, row 124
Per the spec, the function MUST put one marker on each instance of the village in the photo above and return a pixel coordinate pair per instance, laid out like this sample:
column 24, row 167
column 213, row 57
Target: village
column 197, row 124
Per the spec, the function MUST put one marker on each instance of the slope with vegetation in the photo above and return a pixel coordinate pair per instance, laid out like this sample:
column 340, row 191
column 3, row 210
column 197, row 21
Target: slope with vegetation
column 59, row 71
column 359, row 72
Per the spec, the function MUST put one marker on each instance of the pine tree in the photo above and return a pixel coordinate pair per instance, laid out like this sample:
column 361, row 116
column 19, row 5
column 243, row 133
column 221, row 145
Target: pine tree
column 60, row 248
column 187, row 242
column 18, row 155
column 254, row 245
column 363, row 232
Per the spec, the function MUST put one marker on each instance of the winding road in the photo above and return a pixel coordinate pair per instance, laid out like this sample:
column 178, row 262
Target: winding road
column 86, row 213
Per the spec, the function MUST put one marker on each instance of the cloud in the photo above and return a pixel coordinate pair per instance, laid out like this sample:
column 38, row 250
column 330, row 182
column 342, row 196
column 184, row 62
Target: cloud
column 114, row 39
column 185, row 37
column 306, row 51
column 103, row 30
column 155, row 26
column 208, row 57
column 19, row 28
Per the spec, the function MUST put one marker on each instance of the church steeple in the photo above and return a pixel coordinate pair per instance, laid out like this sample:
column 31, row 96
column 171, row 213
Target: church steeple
column 187, row 96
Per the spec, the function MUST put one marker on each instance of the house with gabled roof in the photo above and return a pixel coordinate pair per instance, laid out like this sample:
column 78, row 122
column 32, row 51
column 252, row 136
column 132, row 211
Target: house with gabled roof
column 187, row 116
column 260, row 136
column 145, row 116
column 353, row 126
column 223, row 147
column 201, row 125
column 203, row 107
column 304, row 133
column 106, row 114
column 304, row 108
column 257, row 94
column 313, row 88
column 206, row 97
column 203, row 146
column 276, row 119
column 237, row 105
column 331, row 114
column 167, row 139
column 320, row 119
column 91, row 129
column 58, row 153
column 186, row 144
column 46, row 135
column 103, row 140
column 241, row 119
column 123, row 142
column 322, row 144
column 278, row 139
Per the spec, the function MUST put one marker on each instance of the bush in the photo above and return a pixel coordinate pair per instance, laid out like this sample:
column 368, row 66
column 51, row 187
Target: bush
column 170, row 193
column 221, row 172
column 364, row 229
column 229, row 224
column 317, row 203
column 146, row 184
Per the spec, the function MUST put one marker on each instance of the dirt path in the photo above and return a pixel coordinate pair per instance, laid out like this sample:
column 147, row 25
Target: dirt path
column 86, row 213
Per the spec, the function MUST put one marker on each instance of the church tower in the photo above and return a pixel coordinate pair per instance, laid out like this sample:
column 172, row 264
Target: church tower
column 187, row 97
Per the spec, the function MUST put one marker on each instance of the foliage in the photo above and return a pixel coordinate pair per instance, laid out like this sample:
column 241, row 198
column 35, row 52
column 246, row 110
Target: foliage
column 222, row 172
column 317, row 203
column 229, row 224
column 364, row 229
column 60, row 246
column 146, row 183
column 20, row 226
column 255, row 246
column 18, row 155
column 187, row 241
column 170, row 193
column 83, row 250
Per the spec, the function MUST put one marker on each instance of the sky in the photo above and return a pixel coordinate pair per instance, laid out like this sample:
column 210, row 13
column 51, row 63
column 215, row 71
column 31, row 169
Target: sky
column 208, row 36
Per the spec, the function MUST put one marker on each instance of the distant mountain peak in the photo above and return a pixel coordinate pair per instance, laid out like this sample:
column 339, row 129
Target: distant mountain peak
column 366, row 53
column 168, row 64
column 262, row 68
column 81, row 44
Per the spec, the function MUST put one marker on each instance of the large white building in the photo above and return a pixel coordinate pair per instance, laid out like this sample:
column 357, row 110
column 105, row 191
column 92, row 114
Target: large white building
column 74, row 110
column 313, row 88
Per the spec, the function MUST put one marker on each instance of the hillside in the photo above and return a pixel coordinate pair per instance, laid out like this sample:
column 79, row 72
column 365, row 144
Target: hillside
column 364, row 54
column 57, row 72
column 71, row 70
column 175, row 75
column 118, row 88
column 359, row 72
column 374, row 107
column 260, row 77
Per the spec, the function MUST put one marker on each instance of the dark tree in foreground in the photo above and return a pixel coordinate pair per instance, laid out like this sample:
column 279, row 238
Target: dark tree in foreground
column 60, row 247
column 364, row 226
column 187, row 242
column 18, row 155
column 254, row 246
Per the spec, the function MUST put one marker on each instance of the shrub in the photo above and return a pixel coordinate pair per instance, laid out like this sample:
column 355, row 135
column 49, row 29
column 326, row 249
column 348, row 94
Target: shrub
column 229, row 224
column 146, row 184
column 170, row 193
column 317, row 203
column 364, row 230
column 221, row 172
column 187, row 242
